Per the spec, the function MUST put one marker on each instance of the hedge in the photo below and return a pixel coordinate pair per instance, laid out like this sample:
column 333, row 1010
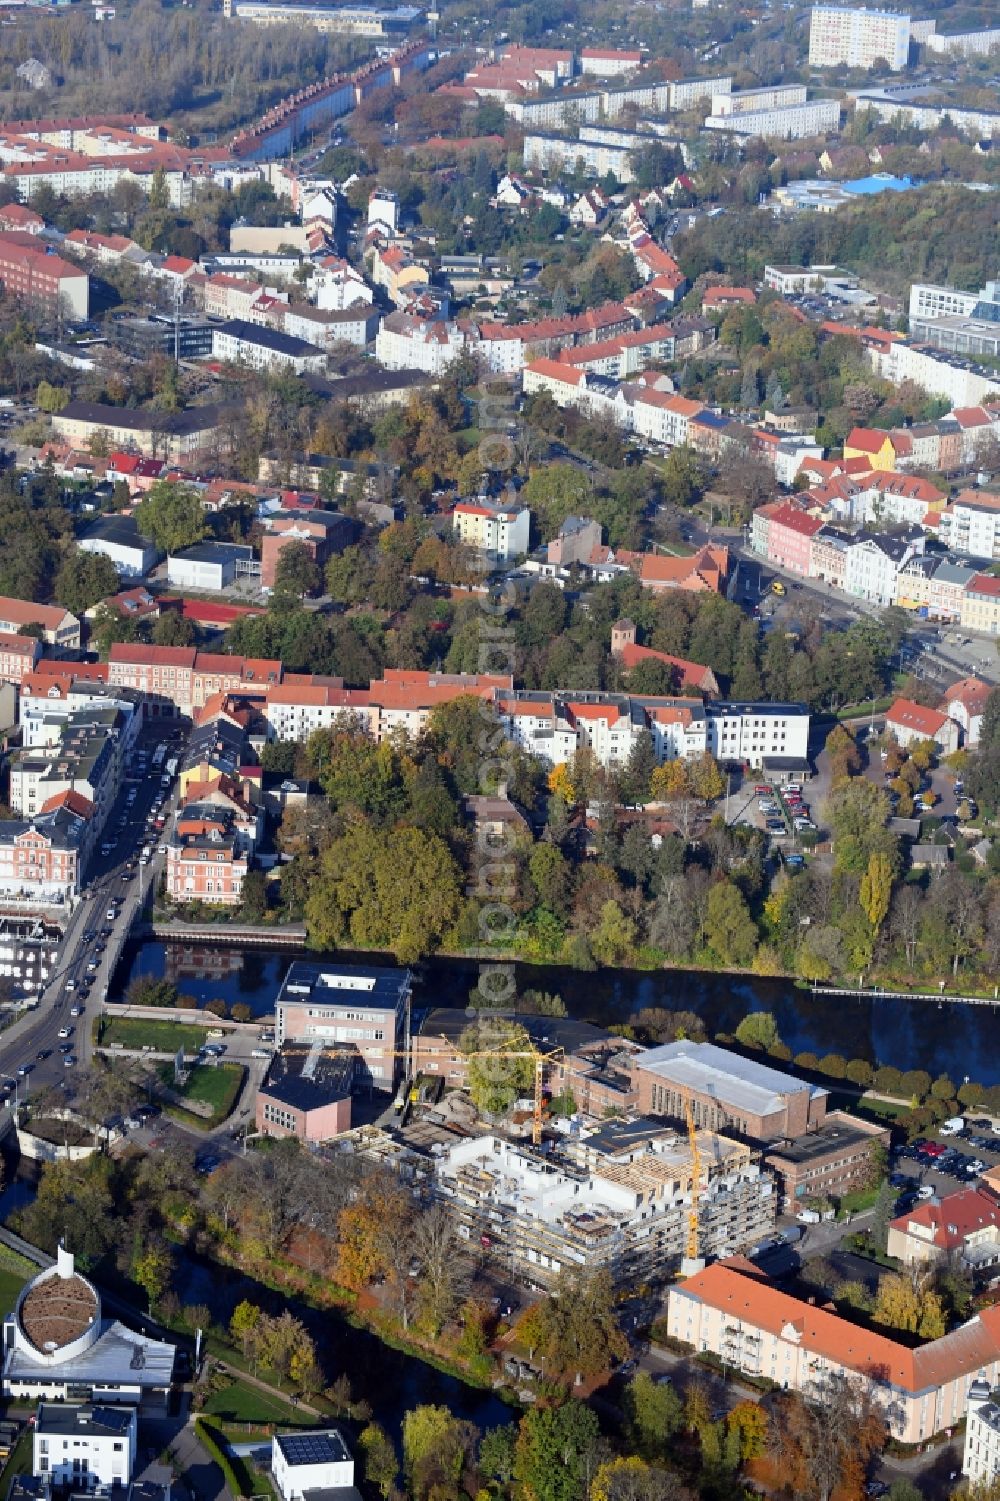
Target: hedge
column 217, row 1448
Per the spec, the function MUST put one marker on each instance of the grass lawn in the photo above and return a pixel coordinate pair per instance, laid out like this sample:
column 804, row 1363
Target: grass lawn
column 212, row 1085
column 137, row 1032
column 241, row 1403
column 885, row 1108
column 14, row 1273
column 853, row 1203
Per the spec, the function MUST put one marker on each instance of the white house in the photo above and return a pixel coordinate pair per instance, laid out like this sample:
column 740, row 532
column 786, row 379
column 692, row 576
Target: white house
column 83, row 1446
column 311, row 1461
column 964, row 702
column 118, row 538
column 241, row 343
column 499, row 531
column 873, row 563
column 908, row 722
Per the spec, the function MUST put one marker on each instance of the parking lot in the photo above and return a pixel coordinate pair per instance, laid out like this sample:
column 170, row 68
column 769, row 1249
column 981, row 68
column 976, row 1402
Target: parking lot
column 932, row 1167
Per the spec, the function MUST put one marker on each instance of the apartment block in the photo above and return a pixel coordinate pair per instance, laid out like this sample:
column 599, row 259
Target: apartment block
column 785, row 122
column 53, row 285
column 500, row 532
column 729, row 1310
column 58, row 626
column 981, row 1455
column 84, row 1447
column 618, row 1199
column 834, row 1159
column 857, row 37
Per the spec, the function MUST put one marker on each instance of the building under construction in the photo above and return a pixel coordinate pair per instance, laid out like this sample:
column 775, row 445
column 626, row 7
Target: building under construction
column 618, row 1197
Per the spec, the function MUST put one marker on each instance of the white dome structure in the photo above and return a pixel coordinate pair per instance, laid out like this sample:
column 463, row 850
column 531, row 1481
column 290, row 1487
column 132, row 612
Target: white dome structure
column 58, row 1314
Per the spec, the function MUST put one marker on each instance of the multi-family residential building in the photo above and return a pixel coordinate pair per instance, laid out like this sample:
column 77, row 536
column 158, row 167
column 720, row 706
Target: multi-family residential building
column 751, row 101
column 500, row 532
column 52, row 285
column 607, row 62
column 661, row 416
column 939, row 372
column 207, row 857
column 858, row 37
column 241, row 343
column 934, row 585
column 754, row 1327
column 783, row 533
column 963, row 43
column 170, row 435
column 873, row 562
column 964, row 1226
column 58, row 626
column 88, row 759
column 981, row 605
column 616, row 1199
column 84, row 1447
column 981, row 1455
column 42, row 858
column 364, row 1011
column 784, row 122
column 18, row 655
column 971, row 523
column 908, row 723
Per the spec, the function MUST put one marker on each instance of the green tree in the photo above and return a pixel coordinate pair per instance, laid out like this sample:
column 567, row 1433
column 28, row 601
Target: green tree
column 296, row 573
column 730, row 931
column 554, row 1446
column 173, row 515
column 496, row 1076
column 381, row 1464
column 357, row 894
column 653, row 1413
column 152, row 1268
column 435, row 1447
column 758, row 1029
column 550, row 876
column 85, row 578
column 614, row 937
column 581, row 1336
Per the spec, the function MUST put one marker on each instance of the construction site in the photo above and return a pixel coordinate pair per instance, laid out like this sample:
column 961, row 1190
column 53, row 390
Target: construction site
column 634, row 1197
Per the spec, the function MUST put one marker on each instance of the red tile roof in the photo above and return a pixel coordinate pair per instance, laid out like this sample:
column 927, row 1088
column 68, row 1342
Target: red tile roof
column 954, row 1218
column 911, row 716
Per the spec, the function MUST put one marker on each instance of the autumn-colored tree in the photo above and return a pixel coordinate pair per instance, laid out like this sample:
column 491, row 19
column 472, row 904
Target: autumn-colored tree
column 707, row 781
column 750, row 1421
column 561, row 784
column 897, row 1303
column 875, row 891
column 669, row 781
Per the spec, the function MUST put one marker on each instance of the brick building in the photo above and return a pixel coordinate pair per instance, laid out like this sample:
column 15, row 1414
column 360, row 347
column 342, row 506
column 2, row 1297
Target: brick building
column 207, row 857
column 727, row 1092
column 323, row 533
column 30, row 272
column 306, row 1093
column 829, row 1162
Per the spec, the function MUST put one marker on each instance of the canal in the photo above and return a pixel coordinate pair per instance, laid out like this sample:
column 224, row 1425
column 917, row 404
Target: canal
column 960, row 1041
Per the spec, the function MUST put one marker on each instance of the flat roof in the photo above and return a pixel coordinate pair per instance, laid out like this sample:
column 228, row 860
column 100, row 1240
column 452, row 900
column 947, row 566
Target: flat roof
column 344, row 984
column 118, row 1356
column 322, row 1448
column 733, row 1080
column 57, row 1417
column 828, row 1138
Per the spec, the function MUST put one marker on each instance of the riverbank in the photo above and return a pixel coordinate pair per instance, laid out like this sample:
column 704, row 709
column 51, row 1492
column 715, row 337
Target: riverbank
column 945, row 1037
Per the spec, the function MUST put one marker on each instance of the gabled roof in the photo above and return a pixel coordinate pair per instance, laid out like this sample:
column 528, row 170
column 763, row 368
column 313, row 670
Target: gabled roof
column 971, row 693
column 955, row 1218
column 916, row 717
column 866, row 439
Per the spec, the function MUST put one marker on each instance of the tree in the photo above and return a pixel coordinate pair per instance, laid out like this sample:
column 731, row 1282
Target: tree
column 613, row 940
column 253, row 902
column 550, row 876
column 381, row 1464
column 730, row 931
column 581, row 1335
column 496, row 1077
column 707, row 781
column 897, row 1303
column 152, row 1268
column 749, row 1420
column 554, row 1446
column 296, row 573
column 882, row 1216
column 758, row 1029
column 173, row 515
column 670, row 781
column 357, row 894
column 653, row 1414
column 875, row 891
column 85, row 578
column 436, row 1445
column 442, row 1269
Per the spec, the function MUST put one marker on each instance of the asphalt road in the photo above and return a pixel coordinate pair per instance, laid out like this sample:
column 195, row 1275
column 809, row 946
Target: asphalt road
column 116, row 884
